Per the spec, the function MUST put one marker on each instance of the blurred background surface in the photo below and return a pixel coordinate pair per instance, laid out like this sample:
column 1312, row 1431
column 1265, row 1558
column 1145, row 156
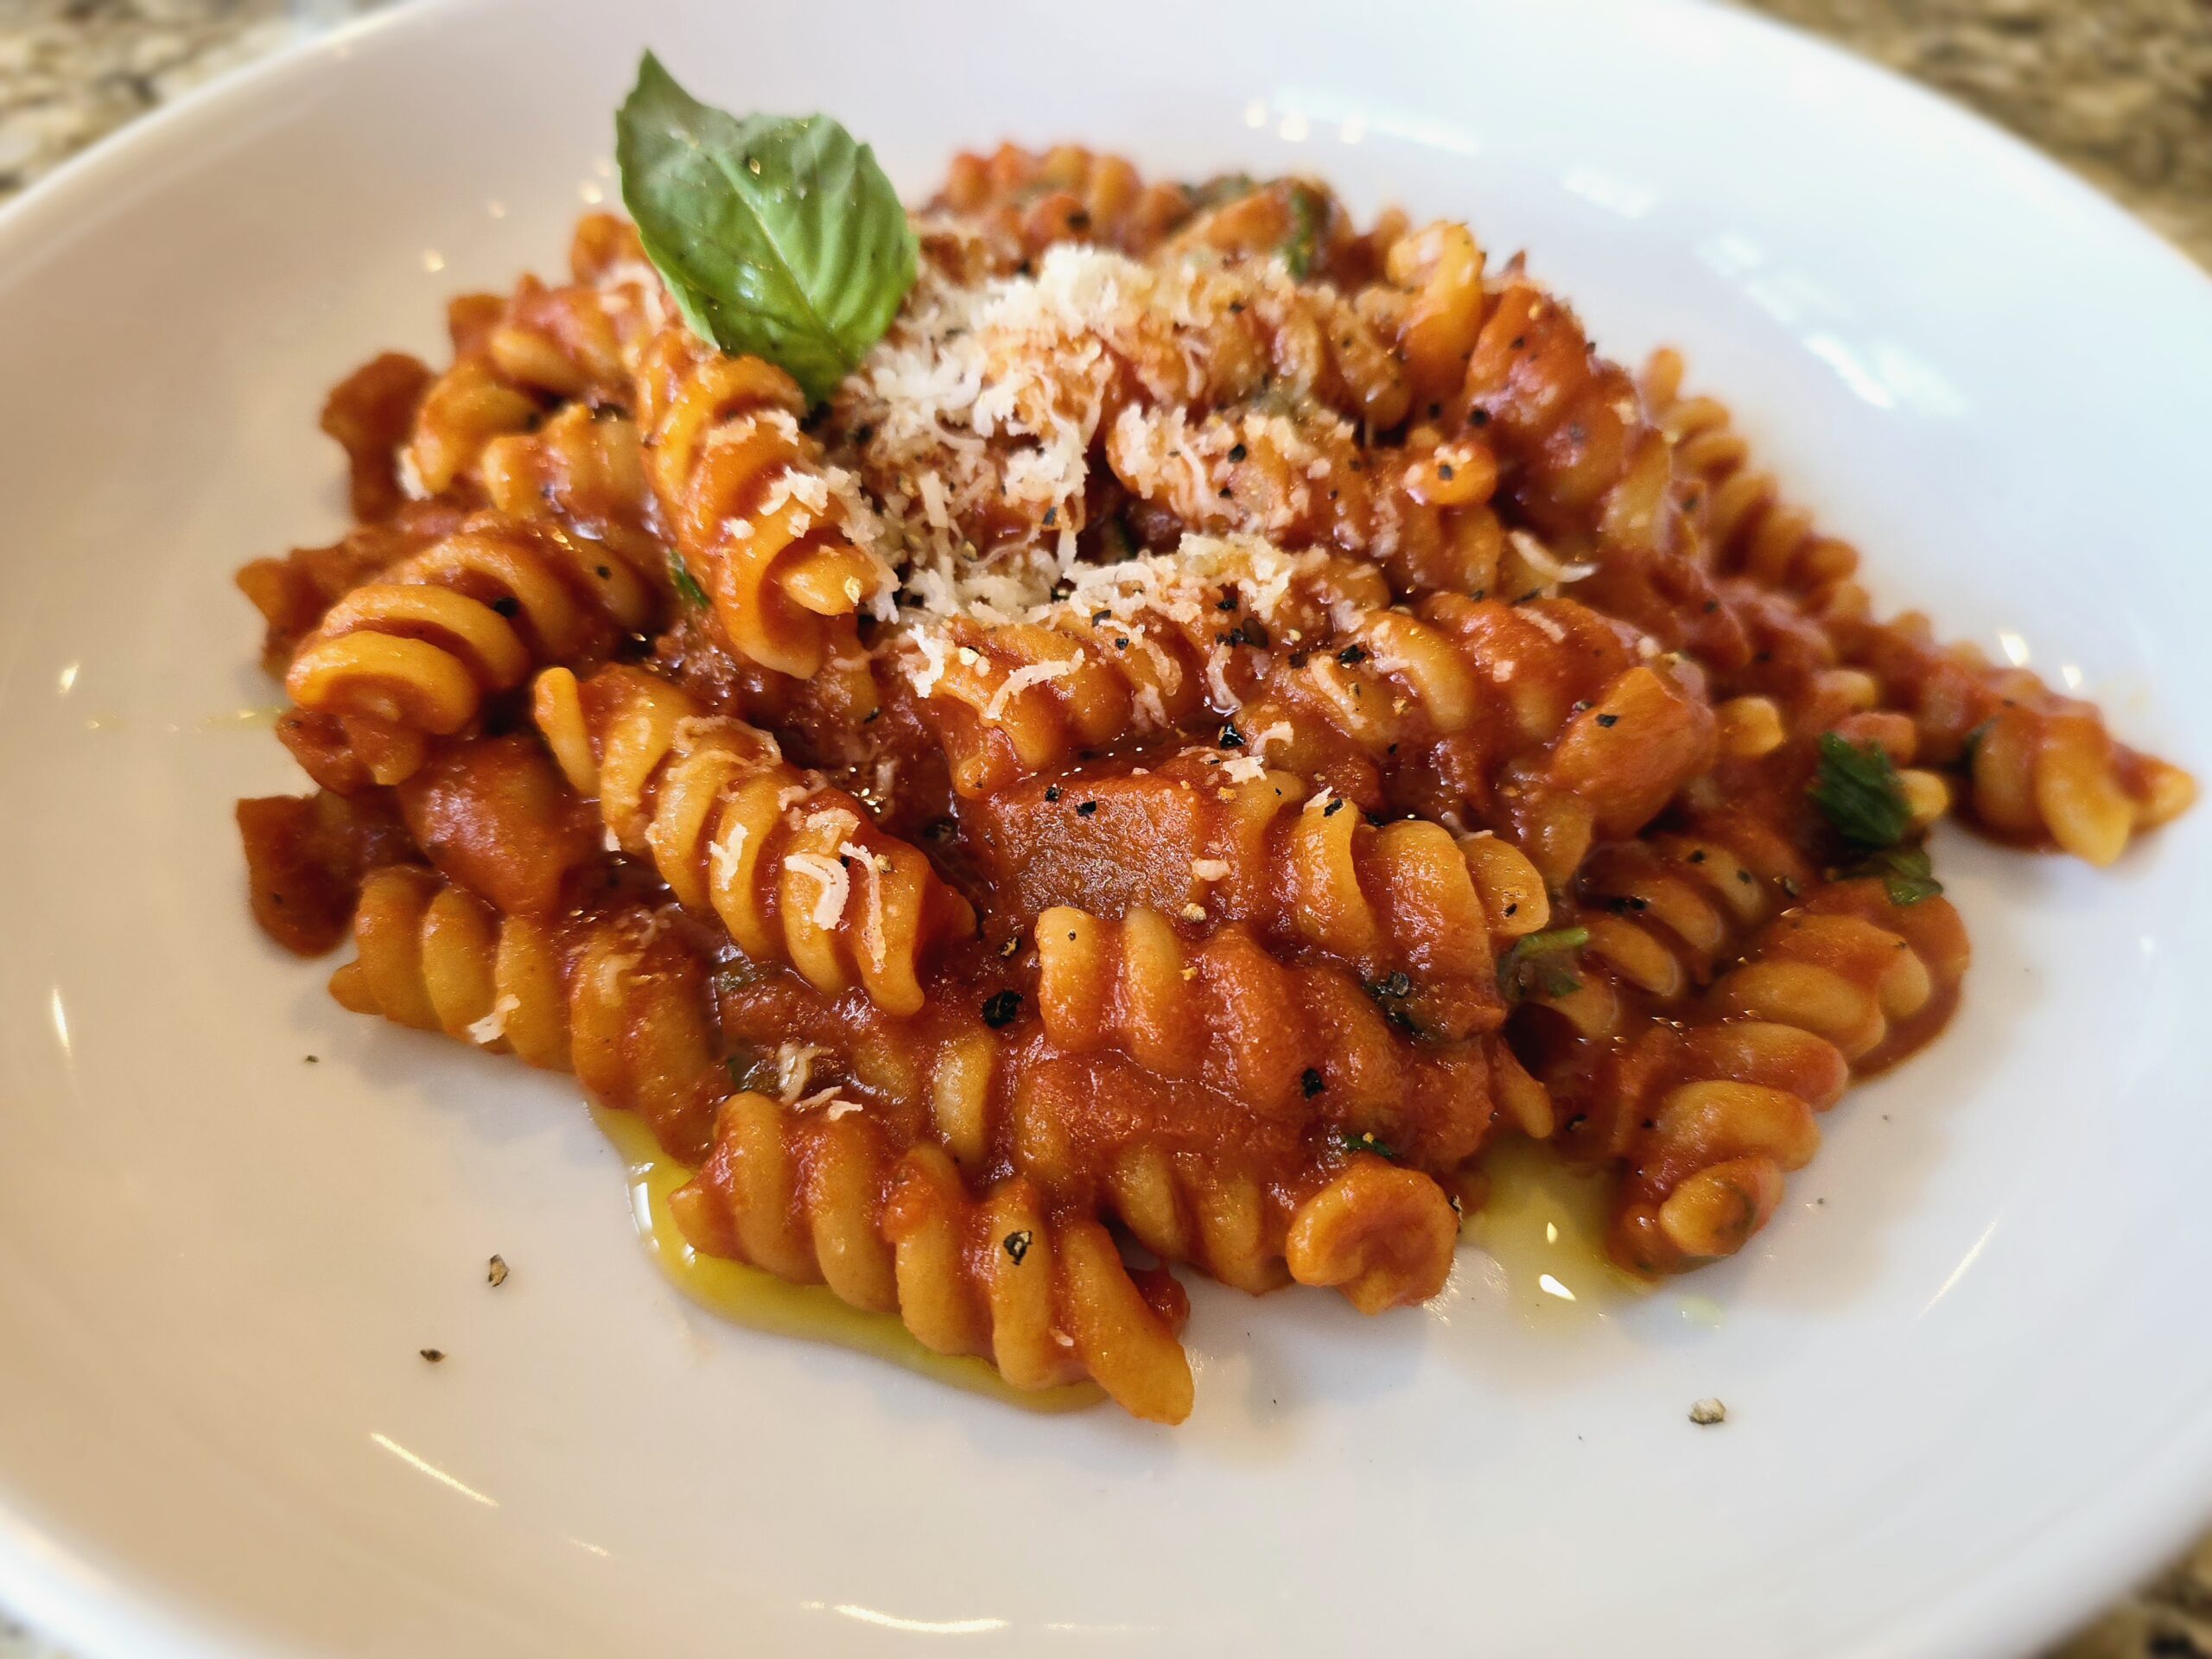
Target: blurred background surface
column 2119, row 90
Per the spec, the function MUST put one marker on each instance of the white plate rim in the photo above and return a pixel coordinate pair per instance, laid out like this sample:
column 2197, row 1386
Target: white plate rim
column 2068, row 1570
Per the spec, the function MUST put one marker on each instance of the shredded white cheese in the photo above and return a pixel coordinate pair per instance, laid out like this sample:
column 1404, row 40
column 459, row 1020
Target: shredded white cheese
column 794, row 1066
column 1027, row 675
column 726, row 852
column 494, row 1025
column 1544, row 562
column 835, row 885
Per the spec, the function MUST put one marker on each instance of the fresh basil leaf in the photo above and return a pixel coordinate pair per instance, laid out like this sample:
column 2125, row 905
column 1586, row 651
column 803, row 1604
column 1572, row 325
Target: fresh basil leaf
column 1857, row 789
column 1538, row 961
column 778, row 235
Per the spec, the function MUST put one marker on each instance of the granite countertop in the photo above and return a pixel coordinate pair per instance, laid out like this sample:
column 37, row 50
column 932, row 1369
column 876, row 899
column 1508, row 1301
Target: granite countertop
column 2119, row 90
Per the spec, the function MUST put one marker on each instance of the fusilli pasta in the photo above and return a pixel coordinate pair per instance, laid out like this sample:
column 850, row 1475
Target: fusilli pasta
column 1221, row 720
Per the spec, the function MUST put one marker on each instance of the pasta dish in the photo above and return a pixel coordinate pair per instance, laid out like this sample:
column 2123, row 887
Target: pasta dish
column 1100, row 725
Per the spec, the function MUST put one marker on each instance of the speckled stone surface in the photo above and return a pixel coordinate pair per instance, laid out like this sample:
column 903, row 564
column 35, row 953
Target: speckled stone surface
column 2120, row 90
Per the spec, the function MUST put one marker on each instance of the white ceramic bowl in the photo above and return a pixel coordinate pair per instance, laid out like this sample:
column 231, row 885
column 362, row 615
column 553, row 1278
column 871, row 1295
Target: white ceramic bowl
column 1969, row 1371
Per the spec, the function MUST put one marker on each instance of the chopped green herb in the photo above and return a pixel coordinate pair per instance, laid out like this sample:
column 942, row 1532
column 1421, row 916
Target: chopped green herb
column 1907, row 876
column 687, row 585
column 1972, row 747
column 1000, row 1008
column 1857, row 789
column 1306, row 213
column 1393, row 995
column 1535, row 962
column 1365, row 1141
column 778, row 235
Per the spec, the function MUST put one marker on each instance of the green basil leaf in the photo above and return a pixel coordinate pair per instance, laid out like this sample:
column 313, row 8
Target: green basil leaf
column 1857, row 789
column 778, row 235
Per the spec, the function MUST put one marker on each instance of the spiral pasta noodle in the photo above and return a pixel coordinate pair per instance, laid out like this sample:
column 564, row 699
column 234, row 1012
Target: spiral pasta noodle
column 1033, row 198
column 1191, row 1187
column 414, row 654
column 293, row 592
column 747, row 503
column 1209, row 843
column 1045, row 1299
column 796, row 871
column 1663, row 914
column 1748, row 529
column 1220, row 1010
column 1140, row 646
column 2036, row 767
column 515, row 360
column 614, row 998
column 584, row 469
column 1710, row 1113
column 1581, row 462
column 1378, row 1232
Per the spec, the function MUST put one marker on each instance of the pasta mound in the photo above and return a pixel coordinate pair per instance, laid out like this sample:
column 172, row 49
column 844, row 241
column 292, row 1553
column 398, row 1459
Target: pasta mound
column 1222, row 720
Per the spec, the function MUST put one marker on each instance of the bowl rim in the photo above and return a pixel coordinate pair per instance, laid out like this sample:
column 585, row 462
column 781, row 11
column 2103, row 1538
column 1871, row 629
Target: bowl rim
column 2070, row 1569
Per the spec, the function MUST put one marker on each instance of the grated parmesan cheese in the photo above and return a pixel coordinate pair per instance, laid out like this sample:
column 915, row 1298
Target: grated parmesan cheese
column 1547, row 626
column 835, row 885
column 1027, row 675
column 872, row 939
column 794, row 1067
column 1544, row 562
column 494, row 1025
column 726, row 853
